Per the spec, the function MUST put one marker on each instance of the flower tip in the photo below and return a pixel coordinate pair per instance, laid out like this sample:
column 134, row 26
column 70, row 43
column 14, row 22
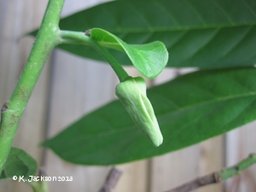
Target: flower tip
column 157, row 141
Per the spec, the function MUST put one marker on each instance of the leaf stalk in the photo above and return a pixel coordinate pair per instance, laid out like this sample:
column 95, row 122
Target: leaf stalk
column 72, row 37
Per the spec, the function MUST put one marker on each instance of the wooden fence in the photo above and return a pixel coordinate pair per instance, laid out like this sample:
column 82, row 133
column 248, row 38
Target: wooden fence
column 71, row 86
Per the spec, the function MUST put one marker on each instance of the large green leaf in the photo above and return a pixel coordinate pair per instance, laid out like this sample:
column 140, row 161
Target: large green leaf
column 19, row 163
column 190, row 109
column 212, row 33
column 150, row 59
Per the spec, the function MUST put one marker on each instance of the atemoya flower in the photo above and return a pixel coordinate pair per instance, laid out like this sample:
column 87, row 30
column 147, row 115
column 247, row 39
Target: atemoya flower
column 132, row 94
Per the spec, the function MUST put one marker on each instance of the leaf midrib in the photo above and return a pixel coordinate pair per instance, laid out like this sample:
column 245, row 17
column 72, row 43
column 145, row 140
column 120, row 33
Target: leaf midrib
column 178, row 29
column 220, row 99
column 187, row 107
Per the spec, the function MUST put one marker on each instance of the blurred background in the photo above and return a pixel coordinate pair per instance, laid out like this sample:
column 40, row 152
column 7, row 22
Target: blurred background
column 71, row 86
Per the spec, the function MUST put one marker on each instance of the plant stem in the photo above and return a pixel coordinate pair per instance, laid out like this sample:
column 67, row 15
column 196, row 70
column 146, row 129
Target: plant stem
column 236, row 169
column 47, row 38
column 72, row 37
column 217, row 177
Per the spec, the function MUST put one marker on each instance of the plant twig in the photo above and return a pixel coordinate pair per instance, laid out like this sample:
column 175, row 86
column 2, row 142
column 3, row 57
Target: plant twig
column 217, row 177
column 47, row 38
column 197, row 183
column 39, row 186
column 111, row 180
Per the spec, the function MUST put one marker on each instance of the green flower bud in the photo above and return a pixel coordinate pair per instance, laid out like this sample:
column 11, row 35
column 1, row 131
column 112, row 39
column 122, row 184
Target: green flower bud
column 132, row 94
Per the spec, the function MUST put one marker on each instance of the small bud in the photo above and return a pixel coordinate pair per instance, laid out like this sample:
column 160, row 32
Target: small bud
column 132, row 94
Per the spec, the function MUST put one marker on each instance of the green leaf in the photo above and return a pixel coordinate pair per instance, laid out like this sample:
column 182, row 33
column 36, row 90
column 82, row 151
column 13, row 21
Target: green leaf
column 150, row 59
column 190, row 109
column 19, row 163
column 207, row 34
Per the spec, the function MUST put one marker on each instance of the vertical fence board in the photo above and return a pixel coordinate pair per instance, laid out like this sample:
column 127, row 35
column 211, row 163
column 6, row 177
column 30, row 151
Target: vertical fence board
column 78, row 86
column 134, row 177
column 17, row 18
column 174, row 169
column 241, row 143
column 211, row 160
